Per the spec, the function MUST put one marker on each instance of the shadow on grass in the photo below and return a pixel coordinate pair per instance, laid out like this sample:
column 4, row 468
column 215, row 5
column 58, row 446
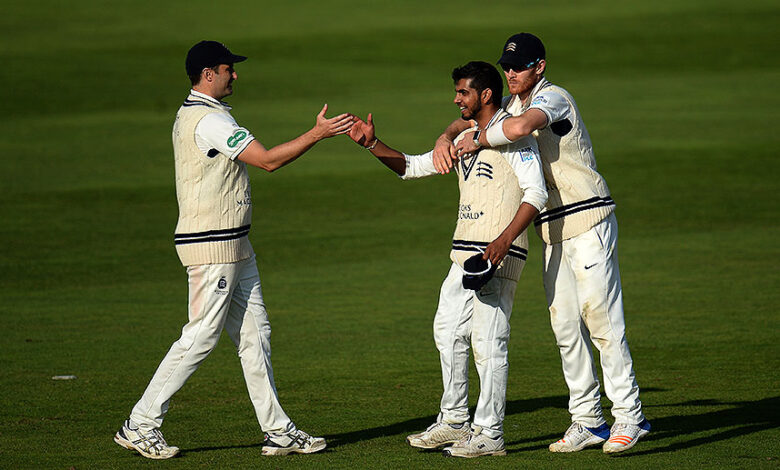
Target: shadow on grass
column 184, row 452
column 418, row 424
column 742, row 418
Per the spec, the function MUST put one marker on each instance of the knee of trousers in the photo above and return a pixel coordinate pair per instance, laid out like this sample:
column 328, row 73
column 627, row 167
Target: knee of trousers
column 254, row 342
column 201, row 339
column 449, row 338
column 490, row 350
column 448, row 333
column 567, row 333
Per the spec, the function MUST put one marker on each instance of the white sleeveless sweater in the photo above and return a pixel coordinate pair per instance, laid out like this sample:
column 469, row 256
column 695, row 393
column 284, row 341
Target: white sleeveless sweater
column 578, row 196
column 215, row 199
column 489, row 198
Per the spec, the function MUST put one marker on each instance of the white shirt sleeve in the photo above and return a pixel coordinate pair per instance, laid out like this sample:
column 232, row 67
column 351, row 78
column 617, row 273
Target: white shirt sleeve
column 523, row 157
column 419, row 166
column 219, row 132
column 553, row 105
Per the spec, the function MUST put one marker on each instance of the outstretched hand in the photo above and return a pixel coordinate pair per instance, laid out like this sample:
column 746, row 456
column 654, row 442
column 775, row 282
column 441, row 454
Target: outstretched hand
column 328, row 127
column 362, row 132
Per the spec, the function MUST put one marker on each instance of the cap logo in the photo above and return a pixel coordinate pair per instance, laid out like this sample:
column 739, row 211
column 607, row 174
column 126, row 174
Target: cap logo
column 511, row 46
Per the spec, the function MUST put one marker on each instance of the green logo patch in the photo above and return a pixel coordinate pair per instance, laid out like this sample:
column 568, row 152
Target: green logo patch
column 236, row 138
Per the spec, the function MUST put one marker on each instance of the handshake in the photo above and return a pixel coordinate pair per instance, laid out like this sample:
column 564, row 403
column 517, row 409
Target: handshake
column 360, row 131
column 363, row 133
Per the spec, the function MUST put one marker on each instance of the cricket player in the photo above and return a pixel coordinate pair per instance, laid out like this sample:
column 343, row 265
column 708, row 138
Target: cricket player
column 579, row 230
column 211, row 153
column 501, row 191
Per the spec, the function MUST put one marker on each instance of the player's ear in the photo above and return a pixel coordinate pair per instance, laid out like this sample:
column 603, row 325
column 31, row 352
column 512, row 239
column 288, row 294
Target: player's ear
column 486, row 95
column 540, row 67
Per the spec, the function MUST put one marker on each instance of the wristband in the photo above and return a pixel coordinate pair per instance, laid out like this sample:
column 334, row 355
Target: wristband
column 371, row 147
column 495, row 135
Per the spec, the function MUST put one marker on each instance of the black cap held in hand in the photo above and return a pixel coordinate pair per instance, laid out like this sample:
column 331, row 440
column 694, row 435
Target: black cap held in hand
column 477, row 272
column 522, row 51
column 208, row 54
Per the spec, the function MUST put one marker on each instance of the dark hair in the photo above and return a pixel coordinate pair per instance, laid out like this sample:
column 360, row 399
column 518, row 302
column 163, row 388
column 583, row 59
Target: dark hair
column 482, row 76
column 195, row 79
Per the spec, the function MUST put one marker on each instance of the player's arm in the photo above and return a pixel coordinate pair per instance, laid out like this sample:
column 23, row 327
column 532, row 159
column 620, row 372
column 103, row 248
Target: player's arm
column 390, row 157
column 526, row 163
column 517, row 127
column 498, row 248
column 363, row 133
column 256, row 154
column 511, row 130
column 444, row 150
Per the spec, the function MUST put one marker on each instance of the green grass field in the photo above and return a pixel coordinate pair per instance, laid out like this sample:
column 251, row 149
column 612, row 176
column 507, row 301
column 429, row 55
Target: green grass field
column 680, row 98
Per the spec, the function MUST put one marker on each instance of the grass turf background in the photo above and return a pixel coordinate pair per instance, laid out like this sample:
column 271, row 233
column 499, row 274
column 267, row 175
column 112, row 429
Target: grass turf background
column 680, row 99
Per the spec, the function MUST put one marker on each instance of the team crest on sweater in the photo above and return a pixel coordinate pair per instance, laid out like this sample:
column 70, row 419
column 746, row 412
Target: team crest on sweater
column 484, row 169
column 466, row 165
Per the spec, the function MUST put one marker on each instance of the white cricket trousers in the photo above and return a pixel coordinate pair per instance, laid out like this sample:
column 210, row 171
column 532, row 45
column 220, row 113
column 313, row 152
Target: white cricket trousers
column 582, row 282
column 221, row 296
column 479, row 318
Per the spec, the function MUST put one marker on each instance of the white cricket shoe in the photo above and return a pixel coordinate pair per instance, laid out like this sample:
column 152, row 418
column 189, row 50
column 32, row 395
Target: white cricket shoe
column 151, row 444
column 578, row 437
column 439, row 434
column 296, row 441
column 623, row 436
column 476, row 445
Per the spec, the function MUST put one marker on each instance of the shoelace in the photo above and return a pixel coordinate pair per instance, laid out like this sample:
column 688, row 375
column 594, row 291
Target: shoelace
column 159, row 437
column 574, row 429
column 301, row 438
column 618, row 428
column 152, row 440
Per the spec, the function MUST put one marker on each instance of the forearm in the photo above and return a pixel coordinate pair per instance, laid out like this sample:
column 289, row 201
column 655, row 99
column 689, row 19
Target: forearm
column 454, row 129
column 276, row 157
column 525, row 214
column 390, row 157
column 514, row 128
column 498, row 248
column 282, row 154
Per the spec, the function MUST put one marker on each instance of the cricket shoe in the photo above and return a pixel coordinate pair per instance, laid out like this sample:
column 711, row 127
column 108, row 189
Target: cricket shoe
column 578, row 437
column 439, row 434
column 296, row 441
column 476, row 445
column 623, row 436
column 151, row 444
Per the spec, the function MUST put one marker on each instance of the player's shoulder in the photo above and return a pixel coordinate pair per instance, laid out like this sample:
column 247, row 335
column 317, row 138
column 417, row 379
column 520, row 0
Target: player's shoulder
column 472, row 128
column 522, row 152
column 525, row 143
column 218, row 118
column 551, row 93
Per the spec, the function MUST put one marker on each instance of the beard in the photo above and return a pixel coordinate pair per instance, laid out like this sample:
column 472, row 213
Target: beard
column 470, row 113
column 522, row 86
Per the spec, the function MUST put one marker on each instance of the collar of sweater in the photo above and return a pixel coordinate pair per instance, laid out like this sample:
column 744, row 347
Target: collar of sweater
column 196, row 95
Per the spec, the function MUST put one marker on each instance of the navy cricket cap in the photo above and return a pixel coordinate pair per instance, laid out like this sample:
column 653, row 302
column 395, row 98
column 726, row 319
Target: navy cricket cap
column 477, row 272
column 208, row 54
column 522, row 50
